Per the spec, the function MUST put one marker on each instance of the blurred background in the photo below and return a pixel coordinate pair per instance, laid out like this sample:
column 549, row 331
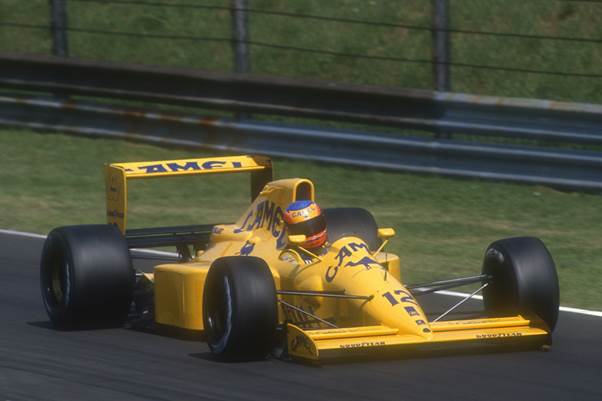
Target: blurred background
column 537, row 49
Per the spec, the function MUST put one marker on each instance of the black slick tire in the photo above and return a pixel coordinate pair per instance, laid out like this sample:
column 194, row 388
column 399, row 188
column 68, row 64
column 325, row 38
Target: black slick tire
column 86, row 276
column 523, row 279
column 240, row 308
column 352, row 221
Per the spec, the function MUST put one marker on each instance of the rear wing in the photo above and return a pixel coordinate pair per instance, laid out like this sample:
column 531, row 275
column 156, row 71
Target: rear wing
column 117, row 175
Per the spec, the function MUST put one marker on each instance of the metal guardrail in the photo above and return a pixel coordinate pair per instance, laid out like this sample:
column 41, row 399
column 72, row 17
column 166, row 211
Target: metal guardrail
column 417, row 109
column 571, row 169
column 432, row 111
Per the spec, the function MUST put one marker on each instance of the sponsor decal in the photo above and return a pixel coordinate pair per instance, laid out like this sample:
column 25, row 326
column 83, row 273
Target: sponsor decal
column 499, row 335
column 266, row 215
column 113, row 193
column 411, row 311
column 346, row 252
column 247, row 248
column 193, row 165
column 301, row 213
column 115, row 213
column 366, row 261
column 399, row 296
column 364, row 344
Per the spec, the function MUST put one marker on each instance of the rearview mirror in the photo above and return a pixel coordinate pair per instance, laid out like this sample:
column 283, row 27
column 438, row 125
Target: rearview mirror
column 385, row 233
column 297, row 239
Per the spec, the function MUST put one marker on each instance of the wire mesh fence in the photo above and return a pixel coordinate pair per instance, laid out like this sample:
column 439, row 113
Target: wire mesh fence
column 539, row 48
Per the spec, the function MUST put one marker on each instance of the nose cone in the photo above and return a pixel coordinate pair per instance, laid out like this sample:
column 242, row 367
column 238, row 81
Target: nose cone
column 351, row 267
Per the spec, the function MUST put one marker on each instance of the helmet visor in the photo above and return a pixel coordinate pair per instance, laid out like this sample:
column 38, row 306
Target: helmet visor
column 309, row 227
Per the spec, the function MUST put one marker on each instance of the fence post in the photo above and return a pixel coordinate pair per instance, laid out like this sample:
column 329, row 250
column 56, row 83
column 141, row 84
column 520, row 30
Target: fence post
column 240, row 35
column 58, row 23
column 441, row 45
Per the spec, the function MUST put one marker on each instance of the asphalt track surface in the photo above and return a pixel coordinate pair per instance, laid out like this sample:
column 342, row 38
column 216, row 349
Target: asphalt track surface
column 39, row 363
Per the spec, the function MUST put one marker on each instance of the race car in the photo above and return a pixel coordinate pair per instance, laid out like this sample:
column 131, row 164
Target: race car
column 255, row 286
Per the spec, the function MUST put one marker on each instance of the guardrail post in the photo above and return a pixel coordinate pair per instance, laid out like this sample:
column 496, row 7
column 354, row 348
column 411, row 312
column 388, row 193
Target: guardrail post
column 441, row 45
column 58, row 23
column 240, row 35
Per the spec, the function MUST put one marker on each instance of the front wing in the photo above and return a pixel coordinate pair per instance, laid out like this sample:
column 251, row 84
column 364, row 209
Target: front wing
column 325, row 343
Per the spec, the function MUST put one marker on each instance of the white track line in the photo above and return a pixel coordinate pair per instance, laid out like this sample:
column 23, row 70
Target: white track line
column 21, row 234
column 449, row 293
column 41, row 236
column 581, row 311
column 458, row 294
column 155, row 252
column 562, row 308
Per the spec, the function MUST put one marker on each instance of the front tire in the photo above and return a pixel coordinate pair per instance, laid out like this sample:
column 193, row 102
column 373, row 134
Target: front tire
column 523, row 279
column 240, row 308
column 86, row 276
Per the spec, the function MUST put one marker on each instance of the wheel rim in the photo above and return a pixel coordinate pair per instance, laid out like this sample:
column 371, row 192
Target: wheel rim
column 219, row 317
column 501, row 296
column 58, row 284
column 57, row 290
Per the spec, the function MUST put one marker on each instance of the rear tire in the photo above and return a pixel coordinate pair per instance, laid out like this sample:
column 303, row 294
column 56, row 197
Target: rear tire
column 86, row 276
column 352, row 221
column 240, row 308
column 524, row 279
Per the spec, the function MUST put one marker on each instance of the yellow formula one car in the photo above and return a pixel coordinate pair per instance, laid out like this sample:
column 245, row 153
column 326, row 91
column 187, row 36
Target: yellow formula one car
column 249, row 285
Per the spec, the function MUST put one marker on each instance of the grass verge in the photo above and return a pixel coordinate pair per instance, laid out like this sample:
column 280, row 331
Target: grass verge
column 443, row 224
column 206, row 32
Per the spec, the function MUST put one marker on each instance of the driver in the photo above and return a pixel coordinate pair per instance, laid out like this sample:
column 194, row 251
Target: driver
column 305, row 217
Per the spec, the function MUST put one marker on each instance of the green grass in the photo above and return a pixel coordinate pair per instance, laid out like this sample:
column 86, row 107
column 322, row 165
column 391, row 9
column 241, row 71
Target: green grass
column 537, row 17
column 443, row 224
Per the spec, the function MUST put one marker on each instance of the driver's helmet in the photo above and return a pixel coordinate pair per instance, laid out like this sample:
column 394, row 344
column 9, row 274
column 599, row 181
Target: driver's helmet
column 305, row 217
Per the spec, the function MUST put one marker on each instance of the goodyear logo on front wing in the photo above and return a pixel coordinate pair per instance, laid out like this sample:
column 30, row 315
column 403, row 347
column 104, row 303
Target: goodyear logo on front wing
column 499, row 335
column 172, row 167
column 364, row 344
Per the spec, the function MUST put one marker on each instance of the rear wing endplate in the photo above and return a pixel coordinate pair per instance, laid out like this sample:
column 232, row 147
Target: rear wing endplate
column 117, row 175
